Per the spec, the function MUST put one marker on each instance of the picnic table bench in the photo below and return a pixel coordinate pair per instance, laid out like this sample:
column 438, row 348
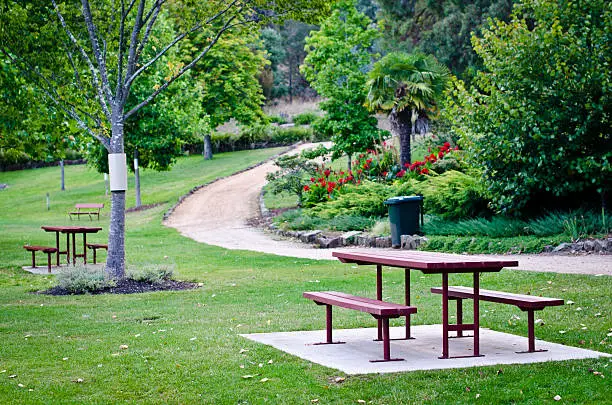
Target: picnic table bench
column 528, row 303
column 380, row 310
column 89, row 209
column 94, row 247
column 45, row 249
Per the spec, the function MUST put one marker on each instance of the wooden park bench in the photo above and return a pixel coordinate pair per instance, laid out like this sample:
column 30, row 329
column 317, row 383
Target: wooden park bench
column 527, row 303
column 378, row 309
column 89, row 209
column 94, row 247
column 45, row 249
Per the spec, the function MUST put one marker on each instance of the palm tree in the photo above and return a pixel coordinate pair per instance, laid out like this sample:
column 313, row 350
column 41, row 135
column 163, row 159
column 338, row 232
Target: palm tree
column 406, row 87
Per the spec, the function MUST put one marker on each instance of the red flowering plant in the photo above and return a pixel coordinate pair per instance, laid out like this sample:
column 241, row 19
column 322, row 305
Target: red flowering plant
column 420, row 168
column 376, row 164
column 326, row 184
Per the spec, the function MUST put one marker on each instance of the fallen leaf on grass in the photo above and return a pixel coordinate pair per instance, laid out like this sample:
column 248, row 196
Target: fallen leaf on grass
column 339, row 379
column 64, row 358
column 193, row 338
column 562, row 332
column 264, row 380
column 361, row 401
column 20, row 385
column 12, row 375
column 539, row 322
column 2, row 371
column 569, row 302
column 557, row 398
column 243, row 351
column 270, row 361
column 248, row 376
column 314, row 401
column 477, row 396
column 123, row 347
column 78, row 380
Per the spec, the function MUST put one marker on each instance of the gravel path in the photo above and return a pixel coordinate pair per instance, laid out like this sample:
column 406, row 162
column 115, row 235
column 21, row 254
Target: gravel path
column 217, row 215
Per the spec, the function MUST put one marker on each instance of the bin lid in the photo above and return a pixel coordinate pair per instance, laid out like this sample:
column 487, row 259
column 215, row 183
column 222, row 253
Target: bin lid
column 403, row 199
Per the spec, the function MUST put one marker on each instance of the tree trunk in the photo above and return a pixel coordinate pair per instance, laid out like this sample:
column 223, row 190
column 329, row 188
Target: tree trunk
column 401, row 126
column 207, row 152
column 290, row 80
column 137, row 179
column 115, row 260
column 62, row 182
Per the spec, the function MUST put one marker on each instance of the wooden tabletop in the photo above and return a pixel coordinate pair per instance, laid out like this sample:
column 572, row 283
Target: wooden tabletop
column 70, row 229
column 427, row 262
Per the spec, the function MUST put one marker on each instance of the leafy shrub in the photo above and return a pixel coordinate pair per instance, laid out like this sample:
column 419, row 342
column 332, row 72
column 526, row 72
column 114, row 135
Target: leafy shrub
column 305, row 118
column 496, row 227
column 81, row 279
column 381, row 227
column 153, row 273
column 346, row 223
column 290, row 135
column 298, row 220
column 364, row 200
column 453, row 195
column 277, row 119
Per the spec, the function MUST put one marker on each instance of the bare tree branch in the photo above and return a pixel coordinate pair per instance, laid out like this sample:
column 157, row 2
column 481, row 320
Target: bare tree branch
column 91, row 29
column 153, row 14
column 92, row 69
column 120, row 56
column 178, row 38
column 133, row 57
column 225, row 27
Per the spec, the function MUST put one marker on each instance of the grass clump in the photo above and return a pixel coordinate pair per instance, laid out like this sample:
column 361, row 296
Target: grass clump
column 152, row 273
column 82, row 280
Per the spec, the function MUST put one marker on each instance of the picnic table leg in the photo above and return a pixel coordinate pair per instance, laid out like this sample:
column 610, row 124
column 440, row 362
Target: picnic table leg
column 407, row 300
column 67, row 248
column 84, row 248
column 476, row 314
column 379, row 297
column 57, row 245
column 33, row 259
column 444, row 316
column 459, row 302
column 74, row 253
column 386, row 343
column 328, row 327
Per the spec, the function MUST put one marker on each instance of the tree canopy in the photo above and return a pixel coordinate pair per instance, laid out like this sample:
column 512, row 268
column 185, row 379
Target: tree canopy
column 339, row 55
column 538, row 118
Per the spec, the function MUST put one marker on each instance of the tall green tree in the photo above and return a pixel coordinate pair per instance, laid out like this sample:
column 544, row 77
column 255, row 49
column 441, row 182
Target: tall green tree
column 101, row 44
column 538, row 118
column 336, row 65
column 442, row 28
column 229, row 82
column 407, row 87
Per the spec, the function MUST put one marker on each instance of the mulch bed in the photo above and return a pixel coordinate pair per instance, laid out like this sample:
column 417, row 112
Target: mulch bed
column 128, row 286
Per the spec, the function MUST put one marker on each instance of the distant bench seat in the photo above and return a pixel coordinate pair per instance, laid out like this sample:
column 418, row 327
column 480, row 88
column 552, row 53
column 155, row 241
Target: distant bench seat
column 529, row 303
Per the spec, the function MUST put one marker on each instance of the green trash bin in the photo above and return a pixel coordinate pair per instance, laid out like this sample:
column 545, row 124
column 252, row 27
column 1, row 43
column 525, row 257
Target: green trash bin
column 405, row 216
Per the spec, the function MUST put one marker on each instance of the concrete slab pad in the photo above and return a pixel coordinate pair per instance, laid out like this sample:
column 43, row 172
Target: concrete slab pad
column 420, row 353
column 56, row 269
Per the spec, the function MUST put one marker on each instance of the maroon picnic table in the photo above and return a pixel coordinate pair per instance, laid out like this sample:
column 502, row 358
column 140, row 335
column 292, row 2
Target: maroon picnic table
column 430, row 263
column 71, row 231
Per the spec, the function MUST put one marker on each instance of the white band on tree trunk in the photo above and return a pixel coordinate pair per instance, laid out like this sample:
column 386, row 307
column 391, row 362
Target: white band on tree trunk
column 117, row 171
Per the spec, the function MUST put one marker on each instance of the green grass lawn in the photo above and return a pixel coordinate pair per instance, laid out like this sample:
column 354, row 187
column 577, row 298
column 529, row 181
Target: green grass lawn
column 183, row 347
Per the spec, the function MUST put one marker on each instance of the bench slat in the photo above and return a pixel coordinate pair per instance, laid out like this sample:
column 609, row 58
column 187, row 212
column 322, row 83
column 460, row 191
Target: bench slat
column 520, row 300
column 371, row 306
column 45, row 249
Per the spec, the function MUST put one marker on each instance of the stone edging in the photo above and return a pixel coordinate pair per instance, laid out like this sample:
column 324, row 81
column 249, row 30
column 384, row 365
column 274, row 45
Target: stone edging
column 409, row 242
column 196, row 188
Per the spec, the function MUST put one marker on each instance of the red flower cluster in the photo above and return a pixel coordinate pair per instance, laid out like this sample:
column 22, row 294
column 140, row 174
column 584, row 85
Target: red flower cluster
column 420, row 165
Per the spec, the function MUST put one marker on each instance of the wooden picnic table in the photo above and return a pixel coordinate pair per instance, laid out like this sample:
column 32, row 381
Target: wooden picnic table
column 71, row 231
column 430, row 263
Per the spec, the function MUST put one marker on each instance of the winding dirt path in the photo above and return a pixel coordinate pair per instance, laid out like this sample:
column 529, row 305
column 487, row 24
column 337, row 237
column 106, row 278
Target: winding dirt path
column 218, row 213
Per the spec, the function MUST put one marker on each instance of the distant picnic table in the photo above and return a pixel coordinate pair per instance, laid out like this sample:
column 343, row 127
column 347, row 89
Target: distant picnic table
column 89, row 209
